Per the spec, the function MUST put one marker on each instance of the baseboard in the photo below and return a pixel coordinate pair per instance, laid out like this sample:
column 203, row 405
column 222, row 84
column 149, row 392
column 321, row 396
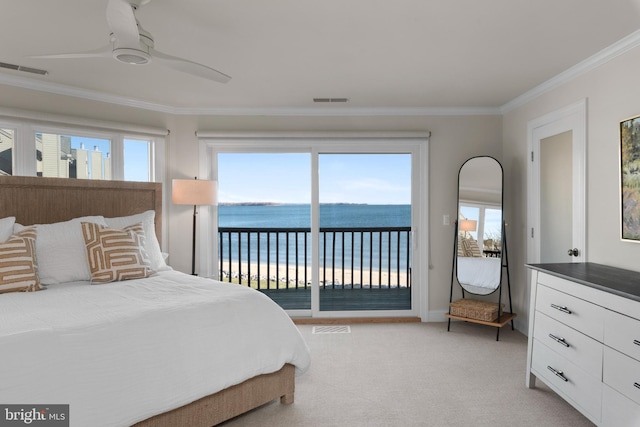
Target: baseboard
column 351, row 320
column 434, row 316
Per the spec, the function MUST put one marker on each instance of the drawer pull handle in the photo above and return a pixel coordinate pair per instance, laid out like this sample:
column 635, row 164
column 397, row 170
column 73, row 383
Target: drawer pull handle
column 636, row 385
column 636, row 342
column 562, row 308
column 558, row 374
column 559, row 340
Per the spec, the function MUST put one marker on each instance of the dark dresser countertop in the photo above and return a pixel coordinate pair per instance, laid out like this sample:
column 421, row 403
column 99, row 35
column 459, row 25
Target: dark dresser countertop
column 624, row 283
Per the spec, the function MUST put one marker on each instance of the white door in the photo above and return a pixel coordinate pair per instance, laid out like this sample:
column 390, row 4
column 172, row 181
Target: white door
column 556, row 198
column 557, row 219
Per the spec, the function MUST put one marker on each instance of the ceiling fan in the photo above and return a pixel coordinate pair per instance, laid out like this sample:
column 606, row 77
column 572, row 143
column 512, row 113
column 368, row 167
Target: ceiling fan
column 131, row 44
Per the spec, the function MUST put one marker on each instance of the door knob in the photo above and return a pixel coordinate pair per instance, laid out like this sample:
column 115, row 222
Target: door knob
column 573, row 252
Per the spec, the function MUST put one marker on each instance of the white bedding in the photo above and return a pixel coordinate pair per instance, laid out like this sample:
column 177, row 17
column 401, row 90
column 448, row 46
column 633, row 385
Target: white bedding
column 482, row 275
column 122, row 352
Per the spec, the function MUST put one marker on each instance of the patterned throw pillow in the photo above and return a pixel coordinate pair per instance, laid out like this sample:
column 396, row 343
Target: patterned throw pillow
column 460, row 246
column 18, row 270
column 114, row 254
column 471, row 248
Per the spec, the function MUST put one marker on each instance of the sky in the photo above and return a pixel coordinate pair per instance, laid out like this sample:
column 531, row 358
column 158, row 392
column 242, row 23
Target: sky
column 286, row 178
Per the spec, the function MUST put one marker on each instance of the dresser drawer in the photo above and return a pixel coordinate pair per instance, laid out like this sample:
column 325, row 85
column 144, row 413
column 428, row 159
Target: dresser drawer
column 622, row 373
column 579, row 314
column 583, row 351
column 617, row 410
column 622, row 333
column 574, row 384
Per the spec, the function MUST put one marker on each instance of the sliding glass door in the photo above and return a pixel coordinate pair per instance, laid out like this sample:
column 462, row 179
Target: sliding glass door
column 323, row 227
column 264, row 224
column 365, row 232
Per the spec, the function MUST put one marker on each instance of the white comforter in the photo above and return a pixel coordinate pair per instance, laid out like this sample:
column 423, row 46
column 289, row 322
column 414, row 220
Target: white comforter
column 122, row 352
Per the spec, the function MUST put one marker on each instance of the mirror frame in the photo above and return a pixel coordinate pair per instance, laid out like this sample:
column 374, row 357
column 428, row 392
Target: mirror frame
column 502, row 227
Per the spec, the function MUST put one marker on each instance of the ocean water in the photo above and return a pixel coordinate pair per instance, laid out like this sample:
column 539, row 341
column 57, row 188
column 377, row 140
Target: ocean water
column 331, row 215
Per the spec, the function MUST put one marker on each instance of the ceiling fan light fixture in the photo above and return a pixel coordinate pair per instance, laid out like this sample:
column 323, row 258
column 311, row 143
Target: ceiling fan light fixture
column 131, row 56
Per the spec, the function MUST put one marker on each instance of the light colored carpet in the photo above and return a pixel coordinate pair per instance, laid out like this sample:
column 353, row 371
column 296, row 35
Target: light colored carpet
column 416, row 374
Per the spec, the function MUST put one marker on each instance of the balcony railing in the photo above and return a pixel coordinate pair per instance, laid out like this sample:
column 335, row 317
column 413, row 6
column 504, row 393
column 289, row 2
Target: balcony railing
column 280, row 258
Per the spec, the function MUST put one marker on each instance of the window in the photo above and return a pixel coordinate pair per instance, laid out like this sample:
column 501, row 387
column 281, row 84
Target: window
column 32, row 149
column 488, row 227
column 67, row 156
column 137, row 160
column 6, row 151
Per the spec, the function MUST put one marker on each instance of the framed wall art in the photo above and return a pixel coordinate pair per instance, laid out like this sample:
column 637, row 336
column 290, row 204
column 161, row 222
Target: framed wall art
column 630, row 178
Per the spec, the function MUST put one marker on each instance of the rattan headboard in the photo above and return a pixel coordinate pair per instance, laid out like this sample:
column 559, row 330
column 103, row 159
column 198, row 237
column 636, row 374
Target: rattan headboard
column 34, row 200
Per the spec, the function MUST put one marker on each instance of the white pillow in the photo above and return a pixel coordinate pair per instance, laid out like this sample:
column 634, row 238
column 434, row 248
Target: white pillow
column 6, row 228
column 151, row 244
column 60, row 250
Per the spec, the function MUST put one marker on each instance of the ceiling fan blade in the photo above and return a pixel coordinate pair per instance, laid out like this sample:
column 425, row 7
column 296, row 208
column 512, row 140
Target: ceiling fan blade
column 188, row 67
column 103, row 52
column 122, row 23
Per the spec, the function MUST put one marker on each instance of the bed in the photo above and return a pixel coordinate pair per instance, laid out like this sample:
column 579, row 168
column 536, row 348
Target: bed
column 168, row 350
column 480, row 275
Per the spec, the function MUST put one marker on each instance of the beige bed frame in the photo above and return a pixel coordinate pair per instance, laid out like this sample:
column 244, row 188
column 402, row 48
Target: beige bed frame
column 34, row 200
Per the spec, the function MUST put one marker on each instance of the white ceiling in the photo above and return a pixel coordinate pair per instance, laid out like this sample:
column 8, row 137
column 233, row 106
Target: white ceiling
column 283, row 53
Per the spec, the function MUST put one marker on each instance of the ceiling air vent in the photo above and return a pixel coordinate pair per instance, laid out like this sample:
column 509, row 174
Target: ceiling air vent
column 330, row 100
column 23, row 69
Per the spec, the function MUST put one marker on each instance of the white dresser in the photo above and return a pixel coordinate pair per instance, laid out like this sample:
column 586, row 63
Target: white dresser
column 584, row 339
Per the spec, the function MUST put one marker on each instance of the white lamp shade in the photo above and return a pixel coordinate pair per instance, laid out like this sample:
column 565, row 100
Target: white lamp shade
column 194, row 192
column 468, row 225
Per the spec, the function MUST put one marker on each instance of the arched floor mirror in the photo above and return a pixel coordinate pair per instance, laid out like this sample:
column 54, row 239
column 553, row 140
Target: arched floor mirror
column 480, row 246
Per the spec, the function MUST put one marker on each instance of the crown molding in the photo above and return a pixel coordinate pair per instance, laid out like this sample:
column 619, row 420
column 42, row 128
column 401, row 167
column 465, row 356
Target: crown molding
column 66, row 90
column 605, row 55
column 76, row 92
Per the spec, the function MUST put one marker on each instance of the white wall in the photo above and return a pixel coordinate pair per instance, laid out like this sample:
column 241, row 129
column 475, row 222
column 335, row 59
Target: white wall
column 611, row 96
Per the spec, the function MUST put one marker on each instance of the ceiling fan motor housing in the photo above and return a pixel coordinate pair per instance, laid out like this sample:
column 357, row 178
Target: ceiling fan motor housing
column 131, row 56
column 134, row 54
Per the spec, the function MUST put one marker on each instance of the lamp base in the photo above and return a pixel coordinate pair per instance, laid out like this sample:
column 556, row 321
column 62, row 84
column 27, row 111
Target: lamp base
column 193, row 244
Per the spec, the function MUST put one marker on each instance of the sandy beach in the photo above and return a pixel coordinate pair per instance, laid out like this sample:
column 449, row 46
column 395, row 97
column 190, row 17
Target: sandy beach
column 279, row 275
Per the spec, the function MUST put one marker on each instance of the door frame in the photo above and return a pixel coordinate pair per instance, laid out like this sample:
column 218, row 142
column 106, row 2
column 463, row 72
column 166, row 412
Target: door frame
column 571, row 118
column 327, row 142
